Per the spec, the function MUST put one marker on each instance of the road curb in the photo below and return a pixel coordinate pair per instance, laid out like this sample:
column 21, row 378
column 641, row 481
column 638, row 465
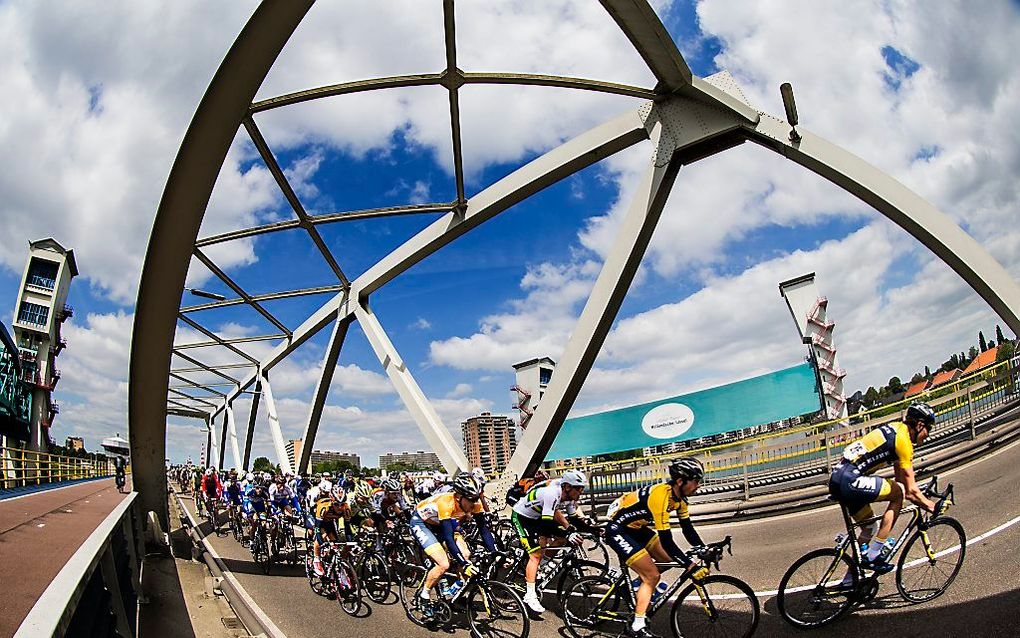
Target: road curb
column 255, row 621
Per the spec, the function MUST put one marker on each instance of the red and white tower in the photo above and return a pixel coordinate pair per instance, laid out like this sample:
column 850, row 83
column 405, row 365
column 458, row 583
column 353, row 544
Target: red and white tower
column 809, row 308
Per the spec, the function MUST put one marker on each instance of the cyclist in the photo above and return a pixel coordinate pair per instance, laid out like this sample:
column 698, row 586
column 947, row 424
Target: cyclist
column 387, row 504
column 257, row 503
column 640, row 546
column 541, row 519
column 331, row 507
column 521, row 487
column 233, row 493
column 853, row 484
column 212, row 490
column 283, row 497
column 121, row 472
column 438, row 515
column 361, row 508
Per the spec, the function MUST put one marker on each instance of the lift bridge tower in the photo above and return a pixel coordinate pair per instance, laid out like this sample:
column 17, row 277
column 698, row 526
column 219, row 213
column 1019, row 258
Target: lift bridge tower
column 40, row 311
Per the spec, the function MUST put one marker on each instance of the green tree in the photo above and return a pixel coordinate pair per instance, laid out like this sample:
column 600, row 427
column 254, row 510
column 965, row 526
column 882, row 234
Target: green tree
column 262, row 464
column 917, row 377
column 895, row 385
column 973, row 353
column 982, row 344
column 999, row 339
column 1006, row 350
column 871, row 397
column 927, row 372
column 403, row 467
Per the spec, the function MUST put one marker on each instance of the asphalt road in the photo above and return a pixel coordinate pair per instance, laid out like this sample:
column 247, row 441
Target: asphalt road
column 38, row 534
column 983, row 601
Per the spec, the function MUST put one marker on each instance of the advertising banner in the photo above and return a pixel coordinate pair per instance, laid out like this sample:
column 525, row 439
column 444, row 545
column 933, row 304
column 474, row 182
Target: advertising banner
column 734, row 406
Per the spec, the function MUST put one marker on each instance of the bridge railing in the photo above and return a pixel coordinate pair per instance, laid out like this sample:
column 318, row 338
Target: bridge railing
column 773, row 458
column 24, row 468
column 96, row 592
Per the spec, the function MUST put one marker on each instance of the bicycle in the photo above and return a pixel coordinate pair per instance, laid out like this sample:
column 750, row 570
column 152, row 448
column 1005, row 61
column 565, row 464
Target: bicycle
column 814, row 592
column 259, row 547
column 717, row 605
column 561, row 567
column 492, row 608
column 372, row 569
column 339, row 579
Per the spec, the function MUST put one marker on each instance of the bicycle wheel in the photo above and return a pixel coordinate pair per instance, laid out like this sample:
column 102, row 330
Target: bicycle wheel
column 402, row 564
column 260, row 551
column 409, row 586
column 930, row 560
column 314, row 581
column 348, row 589
column 374, row 576
column 494, row 610
column 721, row 606
column 575, row 572
column 811, row 593
column 592, row 607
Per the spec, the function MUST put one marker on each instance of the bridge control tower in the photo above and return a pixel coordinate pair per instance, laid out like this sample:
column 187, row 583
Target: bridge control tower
column 40, row 311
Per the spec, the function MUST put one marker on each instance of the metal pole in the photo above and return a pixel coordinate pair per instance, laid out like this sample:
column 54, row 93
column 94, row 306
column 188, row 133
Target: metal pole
column 970, row 412
column 743, row 461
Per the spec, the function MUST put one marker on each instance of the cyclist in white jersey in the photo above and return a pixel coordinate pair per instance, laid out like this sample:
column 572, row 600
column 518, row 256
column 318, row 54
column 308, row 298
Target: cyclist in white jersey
column 545, row 516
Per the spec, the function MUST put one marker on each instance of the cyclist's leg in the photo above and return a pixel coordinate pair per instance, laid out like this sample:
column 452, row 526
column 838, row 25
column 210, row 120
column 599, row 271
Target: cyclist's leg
column 632, row 547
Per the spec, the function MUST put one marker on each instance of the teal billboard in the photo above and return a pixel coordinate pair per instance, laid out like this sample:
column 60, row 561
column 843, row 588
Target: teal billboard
column 755, row 401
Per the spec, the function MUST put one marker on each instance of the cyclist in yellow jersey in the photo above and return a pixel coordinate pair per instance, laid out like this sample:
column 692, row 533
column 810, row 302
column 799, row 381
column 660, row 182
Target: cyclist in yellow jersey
column 639, row 532
column 439, row 514
column 853, row 485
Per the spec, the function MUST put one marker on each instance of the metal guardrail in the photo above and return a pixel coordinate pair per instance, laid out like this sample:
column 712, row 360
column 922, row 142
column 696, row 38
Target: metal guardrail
column 96, row 592
column 23, row 468
column 741, row 464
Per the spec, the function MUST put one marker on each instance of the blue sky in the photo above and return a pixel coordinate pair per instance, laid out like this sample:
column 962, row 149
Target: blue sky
column 96, row 130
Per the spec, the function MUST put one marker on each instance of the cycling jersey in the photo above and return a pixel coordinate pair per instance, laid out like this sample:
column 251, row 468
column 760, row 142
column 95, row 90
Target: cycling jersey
column 887, row 444
column 386, row 506
column 649, row 505
column 442, row 507
column 211, row 486
column 543, row 500
column 233, row 493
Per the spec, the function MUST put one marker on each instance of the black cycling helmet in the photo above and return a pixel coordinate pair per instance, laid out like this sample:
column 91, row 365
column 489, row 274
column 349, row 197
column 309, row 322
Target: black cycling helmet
column 466, row 485
column 391, row 485
column 687, row 468
column 921, row 412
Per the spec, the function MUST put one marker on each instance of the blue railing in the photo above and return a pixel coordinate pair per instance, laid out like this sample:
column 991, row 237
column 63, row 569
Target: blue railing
column 15, row 397
column 40, row 281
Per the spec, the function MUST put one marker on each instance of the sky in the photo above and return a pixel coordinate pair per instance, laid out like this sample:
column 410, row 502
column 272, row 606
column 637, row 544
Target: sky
column 102, row 97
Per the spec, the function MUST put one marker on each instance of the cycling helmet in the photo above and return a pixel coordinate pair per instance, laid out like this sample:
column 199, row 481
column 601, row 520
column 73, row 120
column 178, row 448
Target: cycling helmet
column 337, row 493
column 687, row 468
column 327, row 475
column 363, row 490
column 209, row 472
column 921, row 412
column 438, row 476
column 479, row 475
column 574, row 478
column 249, row 477
column 541, row 475
column 325, row 486
column 391, row 485
column 466, row 485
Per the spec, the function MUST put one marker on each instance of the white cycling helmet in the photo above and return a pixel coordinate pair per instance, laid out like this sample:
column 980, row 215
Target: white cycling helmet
column 479, row 474
column 325, row 486
column 249, row 477
column 574, row 478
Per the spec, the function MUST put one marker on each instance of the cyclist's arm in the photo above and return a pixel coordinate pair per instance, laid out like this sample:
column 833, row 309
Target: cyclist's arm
column 904, row 470
column 485, row 532
column 905, row 476
column 446, row 536
column 581, row 523
column 658, row 504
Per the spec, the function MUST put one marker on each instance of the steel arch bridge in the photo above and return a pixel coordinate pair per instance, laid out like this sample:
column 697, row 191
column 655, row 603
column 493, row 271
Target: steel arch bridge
column 686, row 118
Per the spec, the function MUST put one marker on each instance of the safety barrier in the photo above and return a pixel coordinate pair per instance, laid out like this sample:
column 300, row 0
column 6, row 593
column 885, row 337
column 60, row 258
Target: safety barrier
column 23, row 468
column 96, row 592
column 801, row 451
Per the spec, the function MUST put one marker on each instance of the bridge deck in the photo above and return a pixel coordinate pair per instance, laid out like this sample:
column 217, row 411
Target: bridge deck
column 984, row 600
column 38, row 534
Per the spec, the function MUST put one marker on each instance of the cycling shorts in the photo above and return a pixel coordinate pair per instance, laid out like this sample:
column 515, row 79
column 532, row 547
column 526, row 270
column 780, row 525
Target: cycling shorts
column 528, row 531
column 629, row 543
column 421, row 532
column 324, row 528
column 857, row 491
column 234, row 499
